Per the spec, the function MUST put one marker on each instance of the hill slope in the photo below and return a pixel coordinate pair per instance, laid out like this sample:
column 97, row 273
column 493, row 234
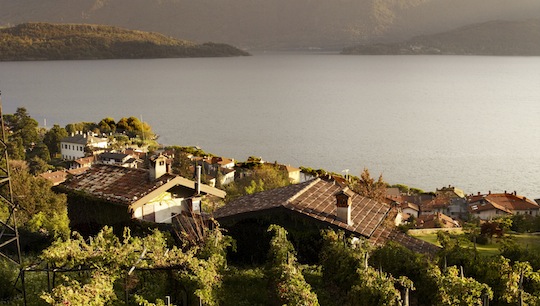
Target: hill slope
column 44, row 41
column 276, row 24
column 490, row 38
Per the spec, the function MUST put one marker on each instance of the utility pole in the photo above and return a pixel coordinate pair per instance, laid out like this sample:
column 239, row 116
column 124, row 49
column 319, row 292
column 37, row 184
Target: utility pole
column 10, row 247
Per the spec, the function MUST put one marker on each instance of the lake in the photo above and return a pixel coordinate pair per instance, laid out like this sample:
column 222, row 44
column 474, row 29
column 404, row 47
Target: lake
column 424, row 121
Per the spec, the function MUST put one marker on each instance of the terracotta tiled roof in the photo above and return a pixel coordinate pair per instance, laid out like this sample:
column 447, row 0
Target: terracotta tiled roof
column 85, row 160
column 55, row 177
column 436, row 203
column 507, row 202
column 78, row 170
column 316, row 199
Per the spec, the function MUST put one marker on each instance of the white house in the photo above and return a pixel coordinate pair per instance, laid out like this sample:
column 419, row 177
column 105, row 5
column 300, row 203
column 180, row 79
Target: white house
column 72, row 147
column 492, row 205
column 151, row 195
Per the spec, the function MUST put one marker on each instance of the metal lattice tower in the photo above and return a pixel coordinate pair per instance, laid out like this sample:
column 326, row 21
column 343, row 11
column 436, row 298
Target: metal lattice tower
column 10, row 248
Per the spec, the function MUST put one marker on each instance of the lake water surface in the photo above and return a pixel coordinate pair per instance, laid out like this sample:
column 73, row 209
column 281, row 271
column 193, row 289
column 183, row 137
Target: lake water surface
column 423, row 121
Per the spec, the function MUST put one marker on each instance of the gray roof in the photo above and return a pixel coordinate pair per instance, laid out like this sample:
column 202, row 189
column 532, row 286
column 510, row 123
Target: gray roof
column 82, row 139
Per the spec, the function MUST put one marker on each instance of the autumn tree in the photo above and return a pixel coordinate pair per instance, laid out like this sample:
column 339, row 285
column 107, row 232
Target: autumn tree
column 367, row 186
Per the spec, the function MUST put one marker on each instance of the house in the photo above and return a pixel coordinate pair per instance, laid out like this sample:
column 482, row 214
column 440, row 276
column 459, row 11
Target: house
column 119, row 159
column 84, row 162
column 321, row 203
column 492, row 205
column 60, row 176
column 74, row 146
column 215, row 167
column 457, row 201
column 293, row 173
column 56, row 177
column 438, row 220
column 455, row 207
column 114, row 195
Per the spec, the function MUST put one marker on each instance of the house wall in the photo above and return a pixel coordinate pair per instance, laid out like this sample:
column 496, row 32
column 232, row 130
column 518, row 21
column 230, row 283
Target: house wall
column 71, row 151
column 99, row 144
column 531, row 212
column 489, row 214
column 227, row 178
column 294, row 177
column 411, row 212
column 160, row 209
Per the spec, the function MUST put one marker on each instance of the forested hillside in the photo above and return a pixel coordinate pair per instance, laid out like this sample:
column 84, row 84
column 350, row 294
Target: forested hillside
column 44, row 41
column 278, row 24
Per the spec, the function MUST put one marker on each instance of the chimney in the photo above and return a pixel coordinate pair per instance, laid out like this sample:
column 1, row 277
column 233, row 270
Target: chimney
column 343, row 205
column 158, row 167
column 198, row 180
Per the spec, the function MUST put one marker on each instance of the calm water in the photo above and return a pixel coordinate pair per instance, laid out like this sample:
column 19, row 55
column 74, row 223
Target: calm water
column 424, row 121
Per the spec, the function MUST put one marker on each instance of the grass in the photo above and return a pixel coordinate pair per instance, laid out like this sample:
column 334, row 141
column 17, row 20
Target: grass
column 492, row 248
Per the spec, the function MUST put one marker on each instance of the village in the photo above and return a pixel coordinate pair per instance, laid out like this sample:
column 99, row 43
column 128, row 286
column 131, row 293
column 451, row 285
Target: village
column 145, row 183
column 291, row 235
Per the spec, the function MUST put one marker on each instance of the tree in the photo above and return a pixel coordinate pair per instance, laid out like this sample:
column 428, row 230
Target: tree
column 197, row 267
column 454, row 289
column 368, row 187
column 181, row 164
column 107, row 125
column 263, row 177
column 23, row 126
column 40, row 150
column 284, row 272
column 43, row 211
column 37, row 166
column 53, row 137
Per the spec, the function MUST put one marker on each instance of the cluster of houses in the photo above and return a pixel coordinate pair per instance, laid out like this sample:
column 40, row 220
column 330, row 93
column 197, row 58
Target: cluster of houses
column 449, row 206
column 144, row 189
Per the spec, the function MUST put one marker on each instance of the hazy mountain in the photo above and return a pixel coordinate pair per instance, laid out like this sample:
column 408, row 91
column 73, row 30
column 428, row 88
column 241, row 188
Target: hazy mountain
column 275, row 24
column 489, row 38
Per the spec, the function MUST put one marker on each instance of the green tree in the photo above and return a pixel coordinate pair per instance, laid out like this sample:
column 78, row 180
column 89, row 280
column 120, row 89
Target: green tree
column 284, row 272
column 263, row 177
column 454, row 289
column 53, row 137
column 197, row 267
column 15, row 148
column 23, row 126
column 43, row 210
column 40, row 151
column 37, row 166
column 345, row 266
column 107, row 125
